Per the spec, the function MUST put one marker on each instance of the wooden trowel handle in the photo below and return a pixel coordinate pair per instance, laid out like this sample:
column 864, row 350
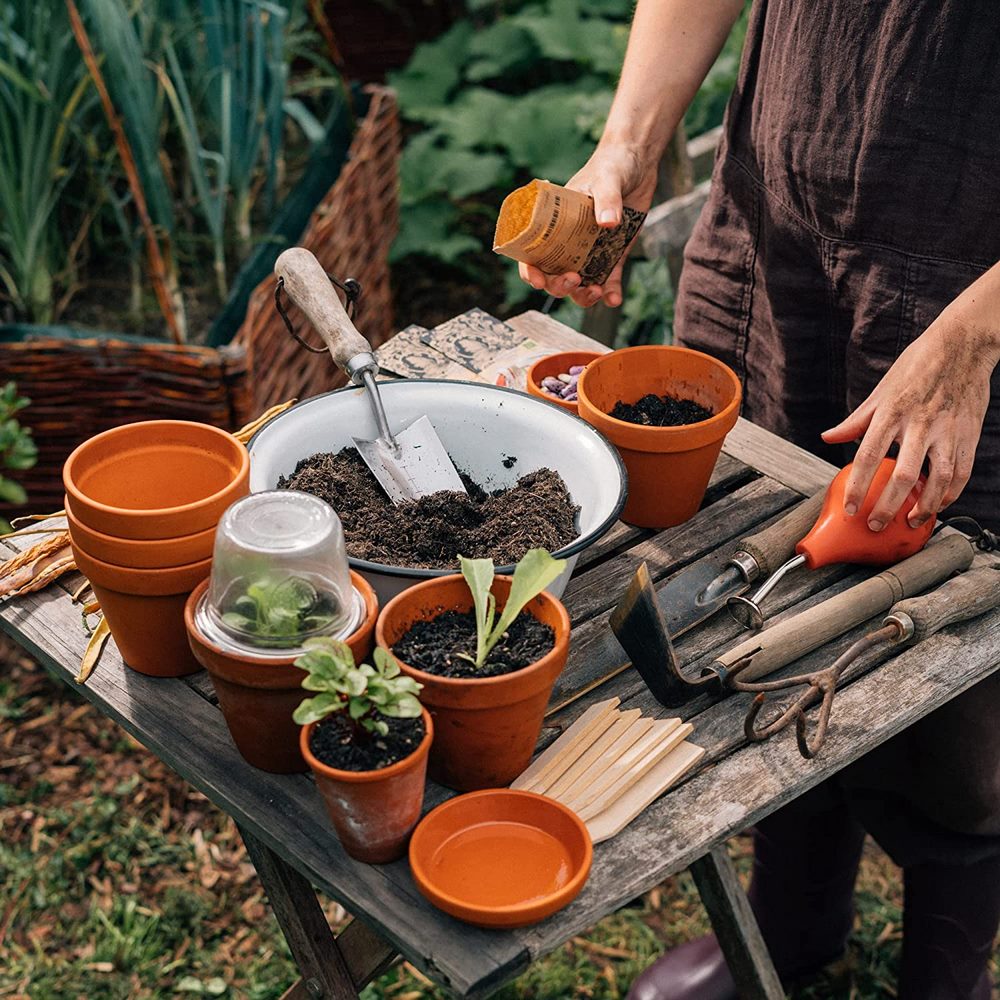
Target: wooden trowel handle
column 965, row 597
column 775, row 545
column 311, row 290
column 785, row 642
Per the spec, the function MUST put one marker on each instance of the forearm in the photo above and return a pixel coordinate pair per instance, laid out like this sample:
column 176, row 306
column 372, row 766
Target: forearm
column 976, row 312
column 672, row 46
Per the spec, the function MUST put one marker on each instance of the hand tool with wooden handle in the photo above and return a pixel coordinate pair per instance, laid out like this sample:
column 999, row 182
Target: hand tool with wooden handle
column 837, row 537
column 642, row 630
column 408, row 464
column 909, row 621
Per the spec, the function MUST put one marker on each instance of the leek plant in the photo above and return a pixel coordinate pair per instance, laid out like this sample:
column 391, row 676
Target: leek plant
column 43, row 89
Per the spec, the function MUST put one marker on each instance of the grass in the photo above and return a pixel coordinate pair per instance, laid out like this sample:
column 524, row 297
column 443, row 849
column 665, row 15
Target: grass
column 117, row 881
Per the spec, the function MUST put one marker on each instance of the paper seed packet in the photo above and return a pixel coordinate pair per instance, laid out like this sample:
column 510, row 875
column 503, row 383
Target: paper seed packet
column 554, row 229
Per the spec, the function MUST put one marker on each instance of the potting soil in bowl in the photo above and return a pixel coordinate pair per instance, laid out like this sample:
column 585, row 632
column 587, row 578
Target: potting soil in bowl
column 335, row 742
column 432, row 532
column 443, row 645
column 661, row 411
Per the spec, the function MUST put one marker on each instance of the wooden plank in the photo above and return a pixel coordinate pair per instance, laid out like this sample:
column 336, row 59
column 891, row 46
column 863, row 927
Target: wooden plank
column 367, row 954
column 781, row 460
column 752, row 783
column 736, row 927
column 303, row 923
column 668, row 225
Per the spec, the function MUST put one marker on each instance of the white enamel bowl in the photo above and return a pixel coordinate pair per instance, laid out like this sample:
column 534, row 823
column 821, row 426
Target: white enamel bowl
column 482, row 426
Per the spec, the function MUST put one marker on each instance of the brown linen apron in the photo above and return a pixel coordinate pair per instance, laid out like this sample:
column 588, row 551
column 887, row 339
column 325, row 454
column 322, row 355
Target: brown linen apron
column 856, row 192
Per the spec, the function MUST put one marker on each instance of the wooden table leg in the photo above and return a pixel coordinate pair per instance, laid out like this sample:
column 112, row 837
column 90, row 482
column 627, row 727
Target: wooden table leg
column 736, row 927
column 332, row 967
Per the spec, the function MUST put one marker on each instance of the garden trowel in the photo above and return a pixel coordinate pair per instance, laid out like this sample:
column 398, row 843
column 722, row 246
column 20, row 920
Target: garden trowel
column 409, row 464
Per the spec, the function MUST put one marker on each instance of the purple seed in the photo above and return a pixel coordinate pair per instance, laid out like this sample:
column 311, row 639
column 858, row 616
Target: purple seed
column 571, row 397
column 567, row 389
column 552, row 384
column 576, row 369
column 573, row 379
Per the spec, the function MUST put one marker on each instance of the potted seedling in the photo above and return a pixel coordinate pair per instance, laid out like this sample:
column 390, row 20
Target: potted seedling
column 487, row 650
column 279, row 578
column 366, row 738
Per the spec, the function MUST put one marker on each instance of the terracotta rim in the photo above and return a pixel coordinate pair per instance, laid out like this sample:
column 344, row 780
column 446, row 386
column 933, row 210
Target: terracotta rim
column 562, row 631
column 363, row 587
column 87, row 535
column 239, row 451
column 363, row 777
column 728, row 413
column 573, row 358
column 561, row 896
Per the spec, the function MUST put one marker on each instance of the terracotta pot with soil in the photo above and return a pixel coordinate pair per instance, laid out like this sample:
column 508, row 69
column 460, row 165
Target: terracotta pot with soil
column 487, row 720
column 144, row 609
column 667, row 410
column 258, row 694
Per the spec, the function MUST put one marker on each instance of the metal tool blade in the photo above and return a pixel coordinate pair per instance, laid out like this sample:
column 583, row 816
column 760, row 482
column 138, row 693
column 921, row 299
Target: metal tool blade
column 697, row 592
column 417, row 467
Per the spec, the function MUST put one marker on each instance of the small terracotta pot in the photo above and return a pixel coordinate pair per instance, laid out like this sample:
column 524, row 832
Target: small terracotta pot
column 155, row 553
column 144, row 609
column 557, row 364
column 486, row 727
column 155, row 479
column 668, row 467
column 373, row 812
column 258, row 696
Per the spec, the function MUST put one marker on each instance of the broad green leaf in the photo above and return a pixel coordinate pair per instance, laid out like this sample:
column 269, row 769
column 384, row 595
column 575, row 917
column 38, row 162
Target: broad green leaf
column 428, row 169
column 357, row 707
column 533, row 574
column 405, row 706
column 431, row 229
column 500, row 50
column 356, row 683
column 11, row 492
column 314, row 709
column 434, row 70
column 478, row 575
column 387, row 664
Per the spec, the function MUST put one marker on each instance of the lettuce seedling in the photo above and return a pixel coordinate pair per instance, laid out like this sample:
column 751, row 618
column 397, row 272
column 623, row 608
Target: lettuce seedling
column 366, row 693
column 536, row 570
column 279, row 609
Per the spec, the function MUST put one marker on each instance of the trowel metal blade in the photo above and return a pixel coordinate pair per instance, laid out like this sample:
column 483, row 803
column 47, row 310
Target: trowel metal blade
column 418, row 467
column 686, row 601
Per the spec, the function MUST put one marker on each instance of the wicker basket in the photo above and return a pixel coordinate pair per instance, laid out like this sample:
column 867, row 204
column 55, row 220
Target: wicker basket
column 80, row 386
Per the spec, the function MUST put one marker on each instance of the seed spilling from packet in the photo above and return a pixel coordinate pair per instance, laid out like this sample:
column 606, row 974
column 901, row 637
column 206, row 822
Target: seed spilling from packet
column 563, row 385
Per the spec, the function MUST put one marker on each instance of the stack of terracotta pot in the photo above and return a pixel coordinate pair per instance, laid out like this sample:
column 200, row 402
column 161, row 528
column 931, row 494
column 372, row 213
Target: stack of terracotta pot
column 142, row 502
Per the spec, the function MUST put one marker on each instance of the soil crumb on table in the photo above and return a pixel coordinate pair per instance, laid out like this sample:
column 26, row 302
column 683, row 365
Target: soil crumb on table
column 332, row 742
column 661, row 411
column 433, row 531
column 436, row 645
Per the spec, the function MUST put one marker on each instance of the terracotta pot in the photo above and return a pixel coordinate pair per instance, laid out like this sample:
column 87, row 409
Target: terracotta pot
column 258, row 696
column 668, row 467
column 487, row 728
column 144, row 609
column 155, row 479
column 155, row 553
column 557, row 364
column 373, row 812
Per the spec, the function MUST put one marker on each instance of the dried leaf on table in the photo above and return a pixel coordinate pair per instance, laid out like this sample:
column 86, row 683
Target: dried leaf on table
column 247, row 432
column 35, row 568
column 93, row 651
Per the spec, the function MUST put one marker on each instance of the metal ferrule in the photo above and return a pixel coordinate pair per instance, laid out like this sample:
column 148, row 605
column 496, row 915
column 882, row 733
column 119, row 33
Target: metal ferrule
column 747, row 565
column 359, row 365
column 903, row 622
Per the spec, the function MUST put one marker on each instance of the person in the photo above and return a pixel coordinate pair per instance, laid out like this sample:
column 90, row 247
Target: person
column 845, row 265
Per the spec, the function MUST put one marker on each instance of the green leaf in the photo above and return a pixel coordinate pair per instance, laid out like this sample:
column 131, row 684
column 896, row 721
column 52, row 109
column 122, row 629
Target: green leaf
column 536, row 570
column 404, row 706
column 478, row 575
column 431, row 229
column 357, row 707
column 11, row 492
column 500, row 50
column 387, row 664
column 427, row 170
column 314, row 709
column 239, row 622
column 434, row 70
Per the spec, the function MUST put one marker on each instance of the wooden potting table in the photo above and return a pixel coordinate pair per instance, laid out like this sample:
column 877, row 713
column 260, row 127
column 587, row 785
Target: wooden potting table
column 287, row 832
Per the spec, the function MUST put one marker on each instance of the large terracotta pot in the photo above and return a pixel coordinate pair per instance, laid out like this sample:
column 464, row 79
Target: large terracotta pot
column 486, row 728
column 155, row 479
column 668, row 467
column 373, row 812
column 144, row 609
column 258, row 696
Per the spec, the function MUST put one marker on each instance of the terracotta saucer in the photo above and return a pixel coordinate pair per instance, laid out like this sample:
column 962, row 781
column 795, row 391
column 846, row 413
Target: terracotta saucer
column 500, row 858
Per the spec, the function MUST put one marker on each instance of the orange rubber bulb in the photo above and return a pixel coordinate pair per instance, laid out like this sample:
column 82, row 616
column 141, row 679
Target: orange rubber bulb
column 839, row 538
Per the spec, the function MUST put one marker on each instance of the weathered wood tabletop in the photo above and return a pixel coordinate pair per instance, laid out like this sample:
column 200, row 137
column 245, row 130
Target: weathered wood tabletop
column 757, row 478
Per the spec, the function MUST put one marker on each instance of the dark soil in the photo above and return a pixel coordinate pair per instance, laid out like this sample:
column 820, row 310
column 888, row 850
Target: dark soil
column 435, row 645
column 333, row 743
column 433, row 531
column 661, row 411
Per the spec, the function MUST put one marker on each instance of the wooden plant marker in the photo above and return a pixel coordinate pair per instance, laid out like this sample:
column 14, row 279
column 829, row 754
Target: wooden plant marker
column 599, row 756
column 626, row 777
column 670, row 769
column 549, row 764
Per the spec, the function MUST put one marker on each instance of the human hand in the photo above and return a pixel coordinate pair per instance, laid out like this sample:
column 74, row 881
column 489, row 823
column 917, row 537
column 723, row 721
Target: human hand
column 616, row 174
column 932, row 403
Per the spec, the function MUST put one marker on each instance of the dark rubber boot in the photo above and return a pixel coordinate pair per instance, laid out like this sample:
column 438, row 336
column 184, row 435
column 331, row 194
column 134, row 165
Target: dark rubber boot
column 806, row 858
column 950, row 918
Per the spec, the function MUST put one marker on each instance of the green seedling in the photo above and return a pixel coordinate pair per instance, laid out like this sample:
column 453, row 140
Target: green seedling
column 279, row 609
column 367, row 693
column 536, row 570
